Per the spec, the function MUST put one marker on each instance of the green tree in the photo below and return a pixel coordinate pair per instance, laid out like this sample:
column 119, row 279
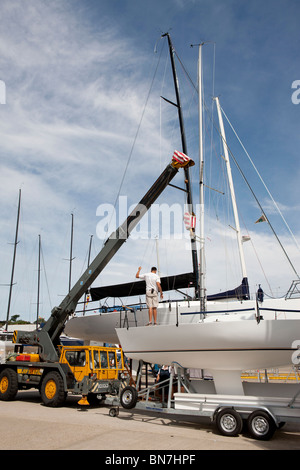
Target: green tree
column 14, row 318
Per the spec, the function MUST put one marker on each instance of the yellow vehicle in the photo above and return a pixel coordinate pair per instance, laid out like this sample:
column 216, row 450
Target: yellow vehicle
column 89, row 371
column 105, row 363
column 92, row 372
column 101, row 367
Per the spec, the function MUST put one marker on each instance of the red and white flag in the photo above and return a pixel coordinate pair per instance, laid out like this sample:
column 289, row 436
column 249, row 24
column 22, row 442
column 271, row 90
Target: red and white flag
column 180, row 157
column 189, row 220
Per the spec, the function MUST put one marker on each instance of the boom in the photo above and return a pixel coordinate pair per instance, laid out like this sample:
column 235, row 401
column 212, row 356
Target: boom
column 48, row 337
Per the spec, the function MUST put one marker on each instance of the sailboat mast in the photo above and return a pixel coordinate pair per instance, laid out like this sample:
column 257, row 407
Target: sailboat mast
column 202, row 291
column 232, row 192
column 186, row 170
column 14, row 260
column 71, row 252
column 38, row 287
column 88, row 263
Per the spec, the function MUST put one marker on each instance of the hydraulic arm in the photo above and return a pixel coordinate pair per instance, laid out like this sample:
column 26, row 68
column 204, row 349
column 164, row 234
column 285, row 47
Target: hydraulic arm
column 48, row 337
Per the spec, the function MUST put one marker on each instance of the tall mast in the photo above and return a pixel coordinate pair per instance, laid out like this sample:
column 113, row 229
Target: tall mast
column 186, row 170
column 38, row 288
column 202, row 290
column 88, row 263
column 71, row 252
column 232, row 192
column 14, row 260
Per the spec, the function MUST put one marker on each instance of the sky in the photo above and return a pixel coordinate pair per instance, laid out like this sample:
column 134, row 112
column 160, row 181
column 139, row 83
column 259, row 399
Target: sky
column 82, row 124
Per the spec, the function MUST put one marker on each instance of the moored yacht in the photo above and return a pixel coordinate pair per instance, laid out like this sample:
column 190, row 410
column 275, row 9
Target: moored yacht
column 226, row 333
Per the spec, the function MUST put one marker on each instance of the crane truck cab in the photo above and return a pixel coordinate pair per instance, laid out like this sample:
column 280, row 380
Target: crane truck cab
column 92, row 372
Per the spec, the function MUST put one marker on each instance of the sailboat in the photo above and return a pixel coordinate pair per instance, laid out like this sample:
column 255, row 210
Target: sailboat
column 216, row 333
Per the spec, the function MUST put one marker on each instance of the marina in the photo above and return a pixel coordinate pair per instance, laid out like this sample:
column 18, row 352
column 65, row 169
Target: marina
column 224, row 333
column 218, row 369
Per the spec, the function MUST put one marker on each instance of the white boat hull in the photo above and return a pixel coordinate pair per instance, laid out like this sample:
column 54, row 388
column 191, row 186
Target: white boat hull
column 230, row 345
column 227, row 341
column 101, row 327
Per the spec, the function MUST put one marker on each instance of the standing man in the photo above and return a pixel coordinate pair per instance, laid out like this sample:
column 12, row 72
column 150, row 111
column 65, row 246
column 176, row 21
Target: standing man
column 152, row 287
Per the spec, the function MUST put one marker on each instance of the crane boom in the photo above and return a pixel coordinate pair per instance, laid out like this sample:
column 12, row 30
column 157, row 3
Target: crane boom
column 48, row 337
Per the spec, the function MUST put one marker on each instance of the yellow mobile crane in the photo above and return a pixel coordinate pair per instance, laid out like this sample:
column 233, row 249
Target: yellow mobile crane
column 92, row 372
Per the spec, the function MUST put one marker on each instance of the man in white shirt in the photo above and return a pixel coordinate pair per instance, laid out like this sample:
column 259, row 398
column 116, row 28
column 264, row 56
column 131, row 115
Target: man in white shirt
column 152, row 287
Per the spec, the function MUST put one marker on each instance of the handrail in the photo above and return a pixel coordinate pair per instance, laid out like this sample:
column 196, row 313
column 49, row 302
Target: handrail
column 293, row 290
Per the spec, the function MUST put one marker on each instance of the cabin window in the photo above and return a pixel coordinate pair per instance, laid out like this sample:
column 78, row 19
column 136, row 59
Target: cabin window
column 76, row 358
column 103, row 357
column 112, row 359
column 96, row 360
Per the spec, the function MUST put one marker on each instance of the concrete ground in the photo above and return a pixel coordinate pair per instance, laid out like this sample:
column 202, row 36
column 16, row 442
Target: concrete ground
column 26, row 424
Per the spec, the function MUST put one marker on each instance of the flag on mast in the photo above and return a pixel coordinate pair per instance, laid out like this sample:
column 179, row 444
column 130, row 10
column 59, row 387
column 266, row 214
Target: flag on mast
column 189, row 220
column 262, row 218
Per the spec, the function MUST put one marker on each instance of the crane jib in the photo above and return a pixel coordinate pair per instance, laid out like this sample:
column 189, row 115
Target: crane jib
column 48, row 336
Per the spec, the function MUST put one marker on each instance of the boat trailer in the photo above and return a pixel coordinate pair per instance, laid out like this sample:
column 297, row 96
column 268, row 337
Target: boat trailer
column 177, row 397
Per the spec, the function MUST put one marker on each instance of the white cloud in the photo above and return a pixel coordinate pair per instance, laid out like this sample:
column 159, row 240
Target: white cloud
column 74, row 100
column 75, row 95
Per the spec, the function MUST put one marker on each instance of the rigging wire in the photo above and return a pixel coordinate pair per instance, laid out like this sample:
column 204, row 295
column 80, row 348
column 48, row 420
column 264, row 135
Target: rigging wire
column 245, row 179
column 261, row 179
column 46, row 278
column 261, row 267
column 249, row 186
column 160, row 111
column 213, row 150
column 136, row 136
column 261, row 208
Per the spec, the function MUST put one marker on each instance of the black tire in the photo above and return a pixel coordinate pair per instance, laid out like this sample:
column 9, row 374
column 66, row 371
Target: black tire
column 128, row 397
column 229, row 422
column 52, row 389
column 113, row 412
column 261, row 425
column 8, row 384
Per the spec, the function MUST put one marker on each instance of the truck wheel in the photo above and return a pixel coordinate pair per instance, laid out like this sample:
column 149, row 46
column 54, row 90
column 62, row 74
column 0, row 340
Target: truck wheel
column 52, row 389
column 229, row 422
column 8, row 384
column 261, row 425
column 128, row 397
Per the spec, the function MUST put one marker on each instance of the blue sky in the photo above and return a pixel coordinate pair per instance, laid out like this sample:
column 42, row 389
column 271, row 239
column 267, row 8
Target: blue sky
column 77, row 76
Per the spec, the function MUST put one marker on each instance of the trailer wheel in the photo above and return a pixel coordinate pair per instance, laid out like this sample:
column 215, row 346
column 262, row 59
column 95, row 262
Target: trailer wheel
column 128, row 397
column 261, row 425
column 113, row 412
column 52, row 389
column 8, row 384
column 229, row 422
